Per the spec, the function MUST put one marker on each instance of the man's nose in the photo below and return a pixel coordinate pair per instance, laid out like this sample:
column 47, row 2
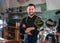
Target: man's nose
column 31, row 10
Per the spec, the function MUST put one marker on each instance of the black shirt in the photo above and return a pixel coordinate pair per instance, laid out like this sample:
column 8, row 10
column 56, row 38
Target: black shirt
column 29, row 22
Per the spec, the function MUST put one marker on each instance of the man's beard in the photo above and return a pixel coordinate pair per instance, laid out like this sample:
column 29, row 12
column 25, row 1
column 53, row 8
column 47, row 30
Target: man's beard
column 31, row 14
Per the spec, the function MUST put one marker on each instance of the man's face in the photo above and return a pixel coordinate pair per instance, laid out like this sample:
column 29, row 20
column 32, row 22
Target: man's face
column 31, row 10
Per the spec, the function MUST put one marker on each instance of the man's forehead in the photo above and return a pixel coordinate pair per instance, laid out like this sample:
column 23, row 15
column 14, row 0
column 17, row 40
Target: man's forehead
column 30, row 7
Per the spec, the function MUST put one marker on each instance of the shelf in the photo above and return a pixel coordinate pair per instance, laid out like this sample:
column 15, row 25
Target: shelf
column 17, row 12
column 12, row 29
column 23, row 12
column 15, row 27
column 14, row 18
column 11, row 32
column 11, row 37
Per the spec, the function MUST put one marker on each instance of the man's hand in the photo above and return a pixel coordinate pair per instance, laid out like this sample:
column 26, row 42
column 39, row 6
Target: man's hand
column 29, row 33
column 29, row 29
column 24, row 26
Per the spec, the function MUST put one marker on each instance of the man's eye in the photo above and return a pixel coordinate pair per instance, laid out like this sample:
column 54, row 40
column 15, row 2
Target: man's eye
column 29, row 9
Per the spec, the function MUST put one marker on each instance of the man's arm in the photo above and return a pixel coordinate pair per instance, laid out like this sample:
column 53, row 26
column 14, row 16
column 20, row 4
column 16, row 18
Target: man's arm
column 22, row 26
column 28, row 30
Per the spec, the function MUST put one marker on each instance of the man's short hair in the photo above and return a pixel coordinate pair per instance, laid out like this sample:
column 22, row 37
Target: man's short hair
column 31, row 5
